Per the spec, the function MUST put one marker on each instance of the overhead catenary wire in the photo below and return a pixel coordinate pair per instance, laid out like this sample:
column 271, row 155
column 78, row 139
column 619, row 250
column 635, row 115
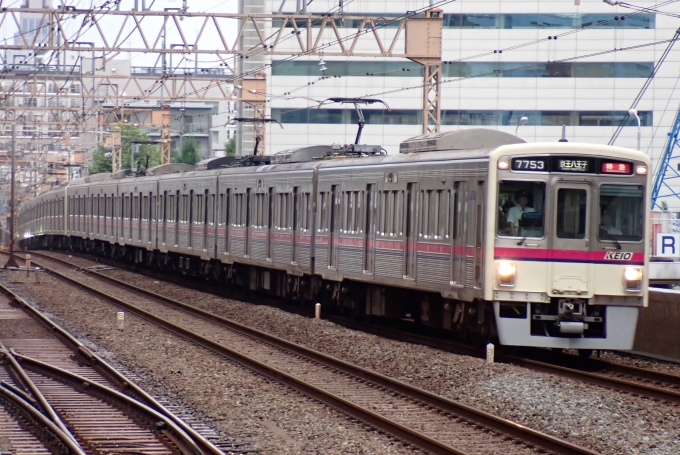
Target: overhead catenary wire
column 487, row 53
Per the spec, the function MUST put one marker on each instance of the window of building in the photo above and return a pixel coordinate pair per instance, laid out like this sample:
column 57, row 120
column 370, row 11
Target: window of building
column 467, row 117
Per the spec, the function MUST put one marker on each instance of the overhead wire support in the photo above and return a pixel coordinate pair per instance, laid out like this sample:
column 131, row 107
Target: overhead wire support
column 667, row 173
column 646, row 85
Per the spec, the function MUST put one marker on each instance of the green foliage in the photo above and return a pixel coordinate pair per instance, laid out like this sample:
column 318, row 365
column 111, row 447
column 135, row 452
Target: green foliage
column 230, row 147
column 664, row 205
column 148, row 153
column 175, row 157
column 190, row 154
column 101, row 161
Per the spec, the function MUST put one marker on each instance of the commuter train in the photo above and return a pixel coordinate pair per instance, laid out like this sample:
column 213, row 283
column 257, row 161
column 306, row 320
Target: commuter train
column 474, row 232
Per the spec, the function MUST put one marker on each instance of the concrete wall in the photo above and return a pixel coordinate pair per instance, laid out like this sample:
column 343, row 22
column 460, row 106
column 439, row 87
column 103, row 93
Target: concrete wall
column 657, row 329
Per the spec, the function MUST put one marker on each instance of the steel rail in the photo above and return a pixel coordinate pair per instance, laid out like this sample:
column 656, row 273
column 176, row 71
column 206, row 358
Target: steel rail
column 99, row 364
column 548, row 367
column 634, row 371
column 153, row 418
column 45, row 429
column 41, row 402
column 598, row 379
column 483, row 418
column 128, row 404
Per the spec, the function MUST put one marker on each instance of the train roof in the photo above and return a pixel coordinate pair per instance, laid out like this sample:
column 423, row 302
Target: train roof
column 471, row 144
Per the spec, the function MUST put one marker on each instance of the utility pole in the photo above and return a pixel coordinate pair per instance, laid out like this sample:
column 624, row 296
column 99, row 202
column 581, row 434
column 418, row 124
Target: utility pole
column 11, row 262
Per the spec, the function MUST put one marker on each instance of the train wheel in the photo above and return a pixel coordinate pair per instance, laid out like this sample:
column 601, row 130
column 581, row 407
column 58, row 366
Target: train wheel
column 585, row 353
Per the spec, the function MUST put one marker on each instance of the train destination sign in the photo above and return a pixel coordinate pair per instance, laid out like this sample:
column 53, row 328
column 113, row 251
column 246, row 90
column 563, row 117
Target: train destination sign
column 570, row 164
column 583, row 165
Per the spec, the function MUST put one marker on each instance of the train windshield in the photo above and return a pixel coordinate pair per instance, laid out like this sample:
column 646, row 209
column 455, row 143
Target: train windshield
column 621, row 213
column 520, row 208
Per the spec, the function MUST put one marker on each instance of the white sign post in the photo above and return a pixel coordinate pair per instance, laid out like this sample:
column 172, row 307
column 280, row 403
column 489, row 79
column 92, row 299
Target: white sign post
column 667, row 246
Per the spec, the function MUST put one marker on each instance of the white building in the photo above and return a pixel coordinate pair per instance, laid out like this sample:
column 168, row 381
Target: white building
column 577, row 80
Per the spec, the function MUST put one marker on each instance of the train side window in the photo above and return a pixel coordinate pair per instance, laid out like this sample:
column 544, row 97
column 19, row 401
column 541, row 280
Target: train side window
column 323, row 211
column 351, row 216
column 304, row 212
column 283, row 211
column 238, row 198
column 390, row 215
column 223, row 207
column 211, row 210
column 435, row 214
column 521, row 208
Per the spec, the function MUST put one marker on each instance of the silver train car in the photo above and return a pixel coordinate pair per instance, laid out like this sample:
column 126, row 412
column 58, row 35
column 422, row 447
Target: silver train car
column 473, row 232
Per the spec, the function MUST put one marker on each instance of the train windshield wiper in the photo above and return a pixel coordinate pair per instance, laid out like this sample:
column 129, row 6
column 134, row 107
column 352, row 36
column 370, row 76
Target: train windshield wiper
column 533, row 224
column 611, row 237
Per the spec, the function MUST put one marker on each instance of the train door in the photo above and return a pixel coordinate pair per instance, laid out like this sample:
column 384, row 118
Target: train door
column 570, row 275
column 471, row 235
column 333, row 238
column 369, row 229
column 479, row 234
column 459, row 231
column 295, row 253
column 411, row 238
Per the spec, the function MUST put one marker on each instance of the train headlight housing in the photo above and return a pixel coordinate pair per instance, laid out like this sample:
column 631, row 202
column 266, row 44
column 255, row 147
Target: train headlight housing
column 505, row 272
column 633, row 278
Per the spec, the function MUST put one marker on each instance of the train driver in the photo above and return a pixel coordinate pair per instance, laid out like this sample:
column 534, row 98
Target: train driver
column 607, row 225
column 517, row 212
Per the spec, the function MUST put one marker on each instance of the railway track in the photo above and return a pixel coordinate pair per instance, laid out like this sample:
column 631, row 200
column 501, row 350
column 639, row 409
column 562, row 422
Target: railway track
column 431, row 422
column 59, row 397
column 638, row 381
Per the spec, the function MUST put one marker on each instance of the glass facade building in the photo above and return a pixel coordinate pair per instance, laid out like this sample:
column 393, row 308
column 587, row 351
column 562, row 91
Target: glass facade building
column 580, row 66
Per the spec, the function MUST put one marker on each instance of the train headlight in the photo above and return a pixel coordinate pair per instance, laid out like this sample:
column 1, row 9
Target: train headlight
column 641, row 170
column 503, row 164
column 633, row 278
column 506, row 273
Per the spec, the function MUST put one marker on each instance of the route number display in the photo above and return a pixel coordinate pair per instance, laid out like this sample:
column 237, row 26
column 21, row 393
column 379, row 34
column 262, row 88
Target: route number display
column 521, row 164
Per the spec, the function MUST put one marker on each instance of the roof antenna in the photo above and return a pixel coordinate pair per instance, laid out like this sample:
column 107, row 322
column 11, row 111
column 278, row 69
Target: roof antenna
column 564, row 134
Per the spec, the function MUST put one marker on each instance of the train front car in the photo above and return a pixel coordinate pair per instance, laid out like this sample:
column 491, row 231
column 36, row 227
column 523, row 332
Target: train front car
column 570, row 244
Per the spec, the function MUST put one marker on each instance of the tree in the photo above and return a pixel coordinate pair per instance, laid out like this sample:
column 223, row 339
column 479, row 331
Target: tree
column 190, row 153
column 230, row 147
column 101, row 161
column 148, row 155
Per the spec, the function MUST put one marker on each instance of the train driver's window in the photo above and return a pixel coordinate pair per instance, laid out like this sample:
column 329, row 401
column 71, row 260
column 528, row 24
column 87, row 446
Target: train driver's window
column 621, row 213
column 520, row 208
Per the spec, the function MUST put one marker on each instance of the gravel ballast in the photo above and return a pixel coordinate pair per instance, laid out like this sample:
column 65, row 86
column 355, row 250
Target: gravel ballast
column 603, row 420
